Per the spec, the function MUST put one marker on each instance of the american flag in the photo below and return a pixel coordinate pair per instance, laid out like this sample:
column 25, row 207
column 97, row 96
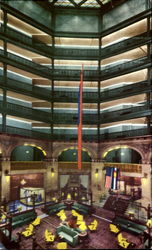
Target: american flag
column 108, row 182
column 112, row 175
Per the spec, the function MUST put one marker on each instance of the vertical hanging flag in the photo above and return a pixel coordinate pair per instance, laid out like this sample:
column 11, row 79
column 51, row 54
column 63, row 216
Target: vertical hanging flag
column 109, row 173
column 115, row 178
column 112, row 175
column 80, row 121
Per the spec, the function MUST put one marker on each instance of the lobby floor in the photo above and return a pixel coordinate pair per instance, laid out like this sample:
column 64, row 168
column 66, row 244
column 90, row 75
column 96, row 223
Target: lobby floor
column 101, row 239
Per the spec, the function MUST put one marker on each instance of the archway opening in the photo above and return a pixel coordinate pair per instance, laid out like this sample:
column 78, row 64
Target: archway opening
column 71, row 155
column 27, row 153
column 123, row 155
column 74, row 184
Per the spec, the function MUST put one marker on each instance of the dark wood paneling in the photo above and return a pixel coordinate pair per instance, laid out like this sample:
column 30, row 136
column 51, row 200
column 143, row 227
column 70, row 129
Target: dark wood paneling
column 16, row 165
column 32, row 180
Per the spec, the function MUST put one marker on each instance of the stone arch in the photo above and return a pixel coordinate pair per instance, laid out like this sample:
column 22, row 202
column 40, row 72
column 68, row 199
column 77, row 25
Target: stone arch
column 31, row 145
column 25, row 143
column 59, row 148
column 149, row 157
column 116, row 146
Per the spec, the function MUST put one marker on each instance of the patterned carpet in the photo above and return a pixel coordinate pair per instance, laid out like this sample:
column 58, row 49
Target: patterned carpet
column 101, row 239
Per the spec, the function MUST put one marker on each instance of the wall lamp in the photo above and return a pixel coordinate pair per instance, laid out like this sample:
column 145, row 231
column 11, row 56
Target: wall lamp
column 6, row 172
column 52, row 172
column 96, row 172
column 145, row 176
column 7, row 175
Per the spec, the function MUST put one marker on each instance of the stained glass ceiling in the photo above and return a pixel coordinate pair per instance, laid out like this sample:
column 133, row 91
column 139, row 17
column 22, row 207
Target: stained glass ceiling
column 80, row 3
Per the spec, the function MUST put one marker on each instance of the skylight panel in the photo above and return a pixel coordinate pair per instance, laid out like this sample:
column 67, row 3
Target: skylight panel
column 63, row 3
column 91, row 3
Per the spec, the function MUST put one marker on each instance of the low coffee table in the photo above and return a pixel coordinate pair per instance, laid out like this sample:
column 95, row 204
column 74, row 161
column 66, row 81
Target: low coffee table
column 83, row 237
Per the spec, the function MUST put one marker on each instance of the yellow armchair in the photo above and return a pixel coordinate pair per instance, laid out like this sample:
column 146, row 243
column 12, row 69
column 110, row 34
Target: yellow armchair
column 79, row 219
column 63, row 217
column 60, row 213
column 114, row 228
column 75, row 213
column 30, row 227
column 28, row 231
column 93, row 225
column 36, row 222
column 122, row 241
column 83, row 226
column 49, row 237
column 62, row 245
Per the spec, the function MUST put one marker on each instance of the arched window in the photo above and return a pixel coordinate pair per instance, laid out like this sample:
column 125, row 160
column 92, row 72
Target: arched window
column 123, row 155
column 70, row 155
column 27, row 153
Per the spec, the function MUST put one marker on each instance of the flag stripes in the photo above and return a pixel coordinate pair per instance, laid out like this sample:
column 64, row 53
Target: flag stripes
column 111, row 180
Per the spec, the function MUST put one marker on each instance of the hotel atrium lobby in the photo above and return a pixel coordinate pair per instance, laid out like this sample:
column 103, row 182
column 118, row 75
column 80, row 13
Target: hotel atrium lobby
column 75, row 124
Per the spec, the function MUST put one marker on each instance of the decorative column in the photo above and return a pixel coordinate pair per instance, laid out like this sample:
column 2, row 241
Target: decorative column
column 97, row 180
column 5, row 178
column 146, row 185
column 51, row 175
column 147, row 175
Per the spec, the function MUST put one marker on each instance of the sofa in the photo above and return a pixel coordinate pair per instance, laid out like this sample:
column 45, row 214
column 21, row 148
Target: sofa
column 54, row 208
column 68, row 234
column 129, row 225
column 25, row 217
column 84, row 209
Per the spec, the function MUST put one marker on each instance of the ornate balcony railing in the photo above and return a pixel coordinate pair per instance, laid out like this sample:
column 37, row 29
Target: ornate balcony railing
column 125, row 91
column 125, row 45
column 70, row 137
column 125, row 114
column 72, row 96
column 74, row 75
column 25, row 112
column 72, row 118
column 39, row 47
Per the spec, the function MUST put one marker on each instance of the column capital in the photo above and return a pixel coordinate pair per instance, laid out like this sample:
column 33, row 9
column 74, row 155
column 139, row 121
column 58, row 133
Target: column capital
column 5, row 158
column 50, row 159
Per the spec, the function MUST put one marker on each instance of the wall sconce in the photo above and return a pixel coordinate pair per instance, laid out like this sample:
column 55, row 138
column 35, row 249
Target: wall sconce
column 23, row 182
column 145, row 175
column 144, row 178
column 6, row 172
column 96, row 172
column 52, row 172
column 104, row 170
column 7, row 175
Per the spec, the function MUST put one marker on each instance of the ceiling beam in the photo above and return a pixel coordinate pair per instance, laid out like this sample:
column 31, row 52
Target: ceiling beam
column 82, row 2
column 99, row 2
column 51, row 4
column 73, row 2
column 54, row 1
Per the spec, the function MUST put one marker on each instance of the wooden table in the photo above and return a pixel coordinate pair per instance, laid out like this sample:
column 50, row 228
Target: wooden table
column 83, row 237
